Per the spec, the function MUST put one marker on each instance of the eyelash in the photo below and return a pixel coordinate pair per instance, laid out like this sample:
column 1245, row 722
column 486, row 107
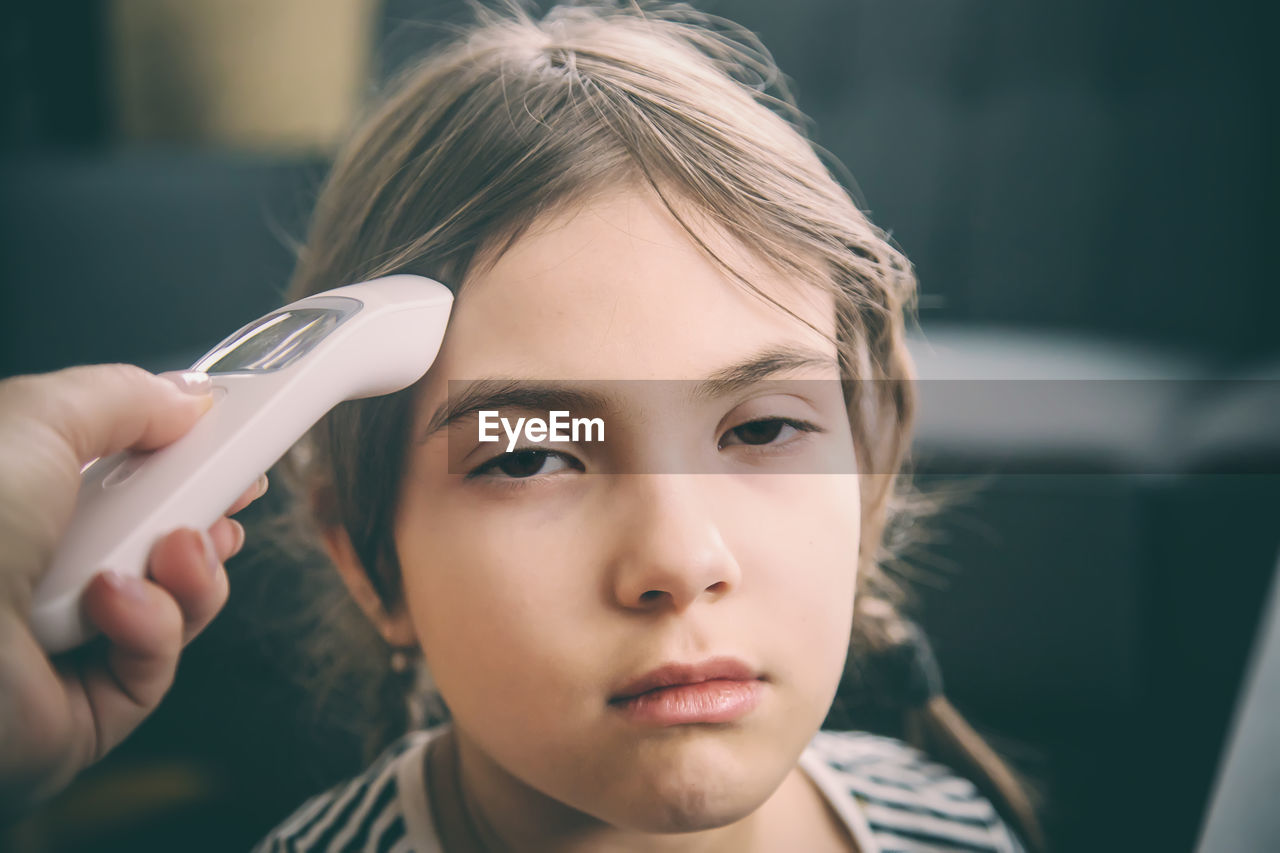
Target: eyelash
column 481, row 472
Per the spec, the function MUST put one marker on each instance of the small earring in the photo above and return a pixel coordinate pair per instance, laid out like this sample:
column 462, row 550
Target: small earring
column 401, row 660
column 423, row 703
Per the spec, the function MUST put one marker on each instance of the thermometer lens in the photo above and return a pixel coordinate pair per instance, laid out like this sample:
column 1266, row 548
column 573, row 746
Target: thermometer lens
column 275, row 341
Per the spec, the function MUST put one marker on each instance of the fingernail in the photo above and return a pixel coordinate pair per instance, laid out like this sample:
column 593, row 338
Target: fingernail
column 262, row 485
column 189, row 381
column 126, row 585
column 239, row 529
column 211, row 561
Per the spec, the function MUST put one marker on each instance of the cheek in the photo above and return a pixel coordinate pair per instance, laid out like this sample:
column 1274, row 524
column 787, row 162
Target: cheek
column 809, row 526
column 800, row 553
column 488, row 586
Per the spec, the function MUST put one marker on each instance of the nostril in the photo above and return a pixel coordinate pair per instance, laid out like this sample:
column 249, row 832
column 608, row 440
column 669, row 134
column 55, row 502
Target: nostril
column 650, row 595
column 718, row 587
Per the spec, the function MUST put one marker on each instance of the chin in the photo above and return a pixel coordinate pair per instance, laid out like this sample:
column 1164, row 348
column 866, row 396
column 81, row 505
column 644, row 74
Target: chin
column 693, row 803
column 692, row 813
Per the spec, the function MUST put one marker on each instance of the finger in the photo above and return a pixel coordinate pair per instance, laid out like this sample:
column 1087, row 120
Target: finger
column 102, row 409
column 227, row 536
column 143, row 627
column 186, row 565
column 251, row 494
column 49, row 426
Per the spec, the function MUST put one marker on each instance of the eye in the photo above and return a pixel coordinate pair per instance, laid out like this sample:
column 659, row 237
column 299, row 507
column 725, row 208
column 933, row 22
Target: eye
column 523, row 465
column 766, row 431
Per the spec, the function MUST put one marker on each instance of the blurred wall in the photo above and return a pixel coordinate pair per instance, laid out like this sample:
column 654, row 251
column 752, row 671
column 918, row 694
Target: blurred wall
column 1102, row 167
column 244, row 74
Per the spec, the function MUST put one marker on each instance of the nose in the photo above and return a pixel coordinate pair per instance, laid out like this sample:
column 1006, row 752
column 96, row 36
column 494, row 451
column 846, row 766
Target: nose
column 670, row 552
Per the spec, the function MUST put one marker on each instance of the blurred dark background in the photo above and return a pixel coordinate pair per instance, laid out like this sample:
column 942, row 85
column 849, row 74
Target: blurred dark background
column 1087, row 191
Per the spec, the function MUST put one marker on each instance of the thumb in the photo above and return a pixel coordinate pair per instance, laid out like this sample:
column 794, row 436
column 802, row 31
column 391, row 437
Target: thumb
column 102, row 409
column 52, row 424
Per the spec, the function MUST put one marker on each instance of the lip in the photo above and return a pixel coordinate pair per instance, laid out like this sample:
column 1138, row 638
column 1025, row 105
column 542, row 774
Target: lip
column 719, row 690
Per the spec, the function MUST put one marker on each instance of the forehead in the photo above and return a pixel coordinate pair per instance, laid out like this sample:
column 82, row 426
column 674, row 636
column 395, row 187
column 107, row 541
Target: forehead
column 616, row 288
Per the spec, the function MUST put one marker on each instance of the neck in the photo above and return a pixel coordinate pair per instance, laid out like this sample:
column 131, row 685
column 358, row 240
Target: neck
column 480, row 808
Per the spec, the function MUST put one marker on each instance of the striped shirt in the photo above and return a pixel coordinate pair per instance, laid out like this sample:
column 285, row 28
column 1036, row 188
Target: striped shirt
column 890, row 797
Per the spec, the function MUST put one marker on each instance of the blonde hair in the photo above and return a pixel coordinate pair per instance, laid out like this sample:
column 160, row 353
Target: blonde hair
column 519, row 117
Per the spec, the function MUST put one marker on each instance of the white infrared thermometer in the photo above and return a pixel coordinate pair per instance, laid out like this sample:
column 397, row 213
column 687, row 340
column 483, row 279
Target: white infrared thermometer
column 272, row 380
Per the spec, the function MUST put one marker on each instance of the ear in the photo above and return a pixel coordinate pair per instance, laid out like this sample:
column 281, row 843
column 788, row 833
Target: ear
column 397, row 627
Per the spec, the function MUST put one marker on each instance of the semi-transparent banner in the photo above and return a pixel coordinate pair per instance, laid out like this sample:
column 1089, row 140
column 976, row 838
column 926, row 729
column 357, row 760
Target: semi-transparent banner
column 532, row 428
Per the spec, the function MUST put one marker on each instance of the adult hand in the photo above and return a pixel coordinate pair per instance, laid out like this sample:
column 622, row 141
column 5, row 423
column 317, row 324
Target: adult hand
column 57, row 716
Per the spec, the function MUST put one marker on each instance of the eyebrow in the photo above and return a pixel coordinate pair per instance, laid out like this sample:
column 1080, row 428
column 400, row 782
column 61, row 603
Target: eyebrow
column 538, row 395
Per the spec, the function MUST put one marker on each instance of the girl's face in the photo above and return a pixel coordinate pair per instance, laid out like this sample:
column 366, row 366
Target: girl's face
column 541, row 590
